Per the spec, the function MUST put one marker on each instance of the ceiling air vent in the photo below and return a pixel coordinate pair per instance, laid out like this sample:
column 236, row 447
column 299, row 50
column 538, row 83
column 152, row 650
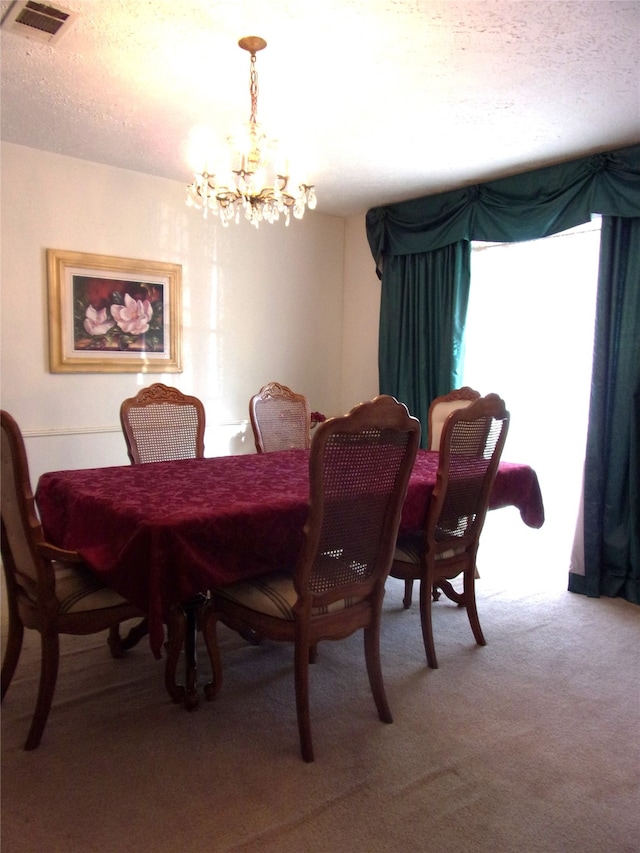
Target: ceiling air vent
column 39, row 21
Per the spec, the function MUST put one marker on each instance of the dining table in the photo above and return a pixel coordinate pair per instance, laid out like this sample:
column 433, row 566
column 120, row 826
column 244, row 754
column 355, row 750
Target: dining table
column 163, row 533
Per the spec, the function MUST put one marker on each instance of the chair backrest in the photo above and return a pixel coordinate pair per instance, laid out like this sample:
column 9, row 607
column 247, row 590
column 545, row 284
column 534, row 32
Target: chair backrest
column 441, row 408
column 280, row 418
column 359, row 469
column 470, row 450
column 161, row 423
column 25, row 571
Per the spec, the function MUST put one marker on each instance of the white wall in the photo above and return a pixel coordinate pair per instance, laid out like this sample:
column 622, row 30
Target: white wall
column 258, row 305
column 361, row 317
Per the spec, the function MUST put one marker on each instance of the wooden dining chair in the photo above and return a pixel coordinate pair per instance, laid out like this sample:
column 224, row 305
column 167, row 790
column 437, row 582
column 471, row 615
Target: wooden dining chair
column 441, row 408
column 280, row 419
column 359, row 468
column 470, row 448
column 48, row 589
column 161, row 423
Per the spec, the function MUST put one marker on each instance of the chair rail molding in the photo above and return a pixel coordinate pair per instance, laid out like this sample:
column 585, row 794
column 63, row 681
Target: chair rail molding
column 111, row 428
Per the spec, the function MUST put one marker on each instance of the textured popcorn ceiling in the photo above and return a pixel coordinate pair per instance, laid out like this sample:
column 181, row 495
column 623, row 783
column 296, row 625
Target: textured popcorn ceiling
column 375, row 100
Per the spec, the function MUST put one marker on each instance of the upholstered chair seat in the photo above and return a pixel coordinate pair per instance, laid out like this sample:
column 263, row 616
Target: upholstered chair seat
column 275, row 596
column 78, row 590
column 410, row 549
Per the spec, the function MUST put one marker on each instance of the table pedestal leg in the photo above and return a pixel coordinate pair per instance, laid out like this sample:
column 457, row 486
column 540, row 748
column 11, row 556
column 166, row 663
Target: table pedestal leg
column 183, row 630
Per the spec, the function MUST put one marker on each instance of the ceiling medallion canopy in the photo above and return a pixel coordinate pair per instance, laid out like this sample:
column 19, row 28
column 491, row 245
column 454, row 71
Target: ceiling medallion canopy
column 255, row 182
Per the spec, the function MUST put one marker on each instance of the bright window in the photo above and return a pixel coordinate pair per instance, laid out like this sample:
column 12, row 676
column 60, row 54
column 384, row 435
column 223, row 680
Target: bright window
column 529, row 338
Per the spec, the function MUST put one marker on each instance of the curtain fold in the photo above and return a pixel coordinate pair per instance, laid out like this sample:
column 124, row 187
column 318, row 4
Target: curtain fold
column 421, row 250
column 612, row 465
column 424, row 299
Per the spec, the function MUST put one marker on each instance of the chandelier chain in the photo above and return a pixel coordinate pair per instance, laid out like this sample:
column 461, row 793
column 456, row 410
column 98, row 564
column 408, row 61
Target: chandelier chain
column 253, row 90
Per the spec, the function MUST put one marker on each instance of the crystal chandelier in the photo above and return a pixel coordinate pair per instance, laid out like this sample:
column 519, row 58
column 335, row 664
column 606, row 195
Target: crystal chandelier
column 254, row 183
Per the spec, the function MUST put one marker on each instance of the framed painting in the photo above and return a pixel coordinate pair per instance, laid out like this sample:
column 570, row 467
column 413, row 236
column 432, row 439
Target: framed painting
column 113, row 315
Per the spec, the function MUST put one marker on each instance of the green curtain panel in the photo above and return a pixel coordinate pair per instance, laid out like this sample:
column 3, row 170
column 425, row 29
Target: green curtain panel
column 409, row 342
column 421, row 250
column 612, row 465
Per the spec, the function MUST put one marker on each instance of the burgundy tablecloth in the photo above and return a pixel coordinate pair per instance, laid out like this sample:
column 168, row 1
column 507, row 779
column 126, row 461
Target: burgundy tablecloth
column 162, row 532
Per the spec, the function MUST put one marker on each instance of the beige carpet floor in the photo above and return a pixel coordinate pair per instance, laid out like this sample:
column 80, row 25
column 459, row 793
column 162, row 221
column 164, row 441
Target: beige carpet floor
column 528, row 744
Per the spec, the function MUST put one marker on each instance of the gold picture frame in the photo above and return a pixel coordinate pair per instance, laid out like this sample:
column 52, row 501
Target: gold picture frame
column 113, row 315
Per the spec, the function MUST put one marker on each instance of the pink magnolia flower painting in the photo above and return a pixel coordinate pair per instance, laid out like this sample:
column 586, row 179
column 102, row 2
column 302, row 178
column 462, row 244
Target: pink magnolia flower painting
column 114, row 315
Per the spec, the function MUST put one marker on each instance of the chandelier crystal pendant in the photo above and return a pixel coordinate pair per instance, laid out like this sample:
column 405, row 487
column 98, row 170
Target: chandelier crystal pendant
column 257, row 182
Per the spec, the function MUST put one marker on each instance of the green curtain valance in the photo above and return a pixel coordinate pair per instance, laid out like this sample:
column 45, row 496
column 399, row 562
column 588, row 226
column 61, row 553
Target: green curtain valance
column 522, row 207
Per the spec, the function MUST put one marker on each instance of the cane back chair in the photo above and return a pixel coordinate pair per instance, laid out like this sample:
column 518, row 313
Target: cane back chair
column 359, row 468
column 470, row 448
column 161, row 423
column 48, row 589
column 280, row 419
column 441, row 408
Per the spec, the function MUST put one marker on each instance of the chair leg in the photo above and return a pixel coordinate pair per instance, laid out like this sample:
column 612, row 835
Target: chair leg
column 472, row 610
column 115, row 642
column 119, row 645
column 301, row 667
column 247, row 634
column 12, row 651
column 426, row 587
column 452, row 595
column 50, row 648
column 177, row 628
column 408, row 592
column 136, row 634
column 209, row 627
column 374, row 670
column 191, row 608
column 250, row 636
